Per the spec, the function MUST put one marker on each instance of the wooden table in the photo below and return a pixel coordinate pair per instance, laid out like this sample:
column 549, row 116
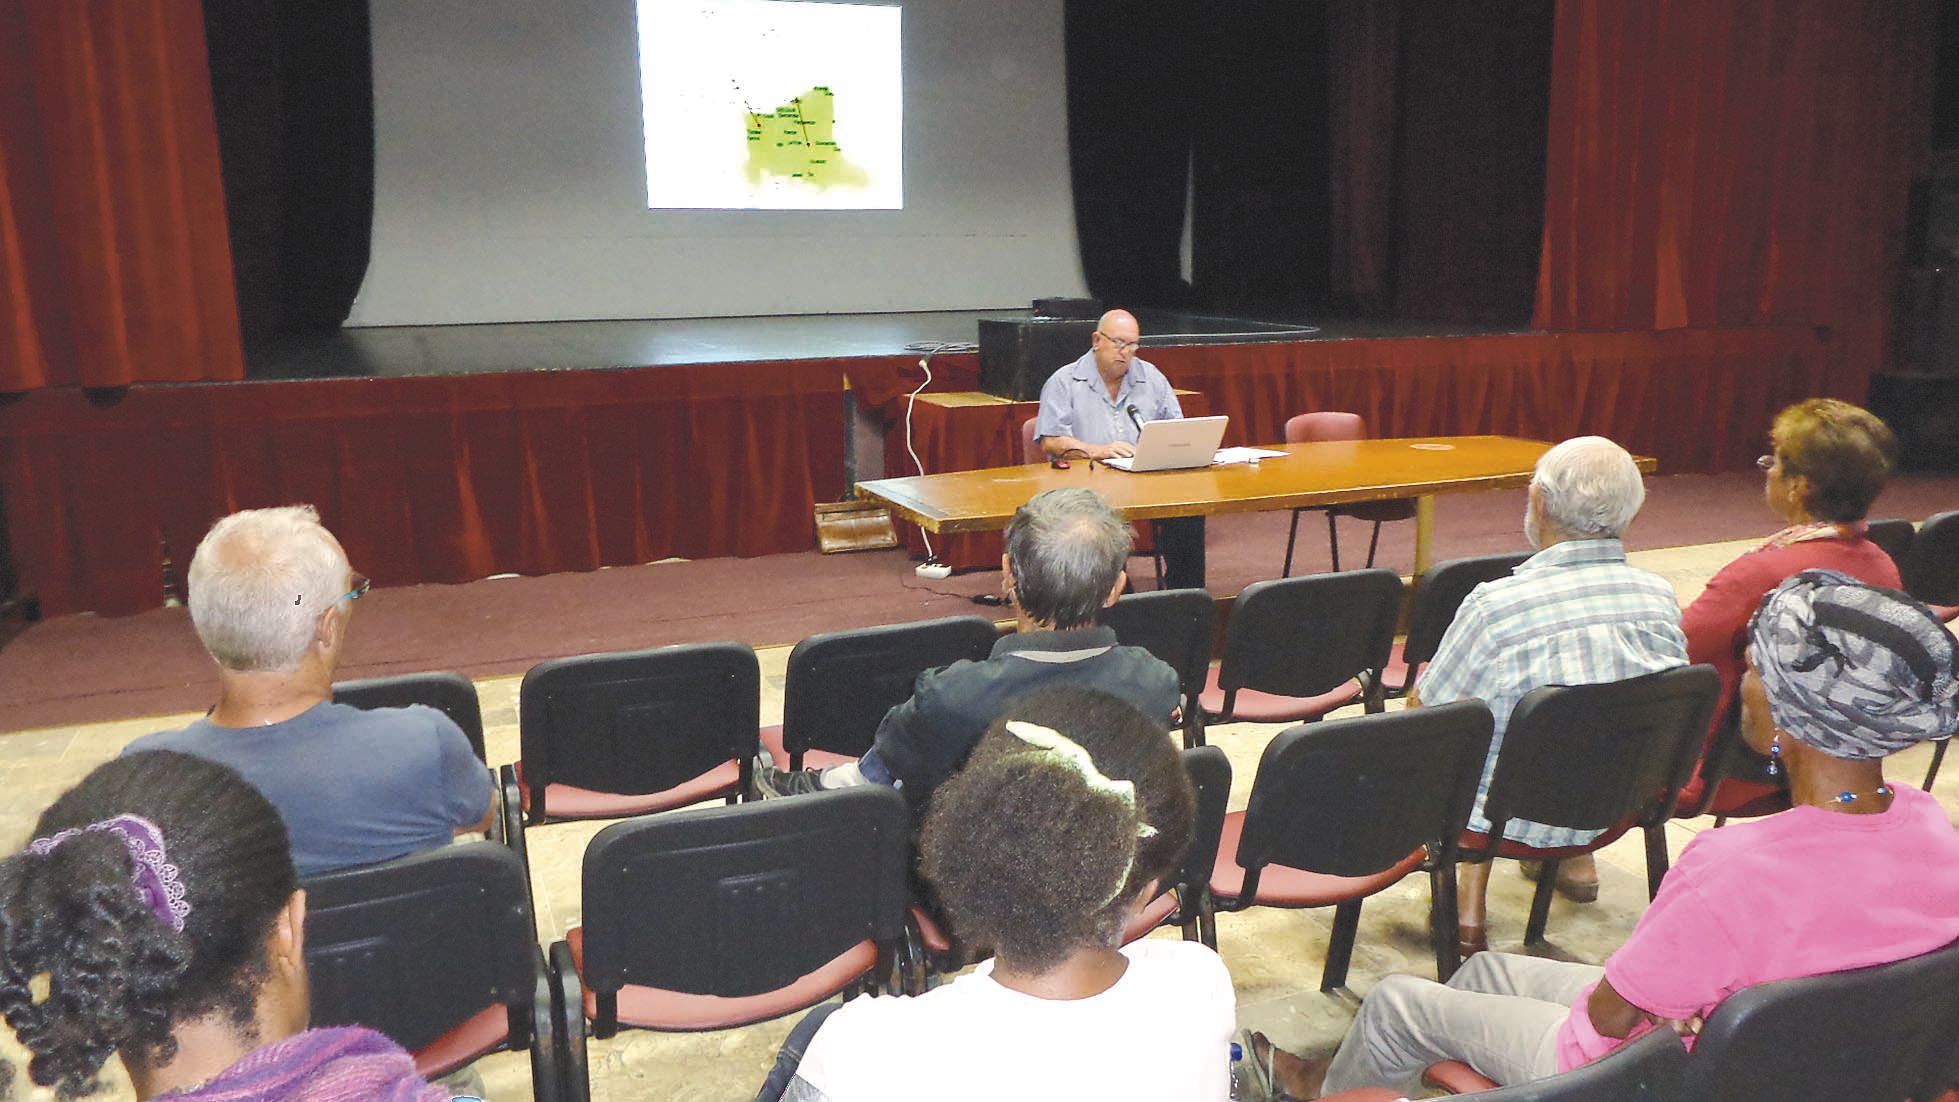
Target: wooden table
column 1325, row 473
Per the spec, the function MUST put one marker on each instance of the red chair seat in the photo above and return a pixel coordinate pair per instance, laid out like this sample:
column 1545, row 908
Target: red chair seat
column 1472, row 842
column 480, row 1034
column 1365, row 1094
column 565, row 801
column 1394, row 675
column 1737, row 799
column 1457, row 1077
column 779, row 756
column 1256, row 707
column 930, row 934
column 679, row 1011
column 1155, row 913
column 1948, row 613
column 1280, row 886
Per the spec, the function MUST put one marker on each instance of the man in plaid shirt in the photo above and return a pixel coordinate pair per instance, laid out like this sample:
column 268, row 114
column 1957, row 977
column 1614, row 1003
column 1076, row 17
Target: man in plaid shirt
column 1573, row 614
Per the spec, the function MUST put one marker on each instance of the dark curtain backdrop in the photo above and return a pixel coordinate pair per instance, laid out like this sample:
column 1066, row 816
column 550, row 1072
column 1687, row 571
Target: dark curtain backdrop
column 1734, row 162
column 114, row 267
column 292, row 85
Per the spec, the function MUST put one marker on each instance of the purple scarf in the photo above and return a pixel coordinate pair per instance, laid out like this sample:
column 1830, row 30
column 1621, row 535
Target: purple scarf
column 341, row 1064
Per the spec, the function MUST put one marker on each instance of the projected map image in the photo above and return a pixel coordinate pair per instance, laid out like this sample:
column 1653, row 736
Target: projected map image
column 772, row 104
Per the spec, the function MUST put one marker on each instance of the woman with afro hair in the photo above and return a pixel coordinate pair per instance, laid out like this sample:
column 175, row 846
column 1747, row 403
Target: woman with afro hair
column 1072, row 813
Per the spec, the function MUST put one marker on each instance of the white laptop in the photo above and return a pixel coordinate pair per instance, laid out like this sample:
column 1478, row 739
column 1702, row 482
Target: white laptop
column 1174, row 445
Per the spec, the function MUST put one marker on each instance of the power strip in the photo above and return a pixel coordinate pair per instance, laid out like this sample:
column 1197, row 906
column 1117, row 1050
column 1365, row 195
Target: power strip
column 935, row 570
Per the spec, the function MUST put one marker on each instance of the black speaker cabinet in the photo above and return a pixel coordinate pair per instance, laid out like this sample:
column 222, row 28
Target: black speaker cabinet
column 1017, row 356
column 1923, row 410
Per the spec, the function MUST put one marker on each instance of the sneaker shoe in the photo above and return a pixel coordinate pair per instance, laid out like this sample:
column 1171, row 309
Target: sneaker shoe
column 770, row 783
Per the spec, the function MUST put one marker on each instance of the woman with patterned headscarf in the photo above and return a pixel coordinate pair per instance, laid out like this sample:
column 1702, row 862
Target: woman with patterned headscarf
column 1840, row 676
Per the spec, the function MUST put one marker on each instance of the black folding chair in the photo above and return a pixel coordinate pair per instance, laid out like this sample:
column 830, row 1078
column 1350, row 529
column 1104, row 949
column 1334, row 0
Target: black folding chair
column 1186, row 901
column 1607, row 758
column 452, row 694
column 1439, row 592
column 1178, row 626
column 721, row 917
column 605, row 736
column 1895, row 536
column 437, row 950
column 1298, row 648
column 1343, row 810
column 1880, row 1033
column 841, row 683
column 1647, row 1069
column 1931, row 571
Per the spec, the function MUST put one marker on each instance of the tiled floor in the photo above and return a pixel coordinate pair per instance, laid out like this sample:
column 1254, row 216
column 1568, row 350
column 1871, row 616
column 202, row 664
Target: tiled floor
column 1274, row 956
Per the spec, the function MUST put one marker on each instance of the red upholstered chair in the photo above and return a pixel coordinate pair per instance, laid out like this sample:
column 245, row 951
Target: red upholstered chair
column 452, row 694
column 1439, row 592
column 1607, row 757
column 1298, row 648
column 605, row 736
column 1731, row 781
column 1032, row 452
column 721, row 917
column 1647, row 1069
column 1343, row 810
column 841, row 683
column 437, row 950
column 1178, row 626
column 1309, row 427
column 1931, row 574
column 1895, row 536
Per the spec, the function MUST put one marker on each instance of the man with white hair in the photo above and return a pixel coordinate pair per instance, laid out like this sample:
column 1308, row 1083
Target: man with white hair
column 1573, row 614
column 270, row 596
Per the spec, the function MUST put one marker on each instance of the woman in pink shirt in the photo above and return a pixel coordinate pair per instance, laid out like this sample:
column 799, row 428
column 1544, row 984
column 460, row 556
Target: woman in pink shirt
column 1828, row 461
column 1841, row 676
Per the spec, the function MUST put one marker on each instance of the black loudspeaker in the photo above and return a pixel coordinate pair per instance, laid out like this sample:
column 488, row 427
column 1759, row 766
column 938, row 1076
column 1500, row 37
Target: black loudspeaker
column 1923, row 410
column 1017, row 356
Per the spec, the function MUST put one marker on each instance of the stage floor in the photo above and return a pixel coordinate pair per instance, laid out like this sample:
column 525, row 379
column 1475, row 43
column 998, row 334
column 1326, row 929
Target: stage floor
column 398, row 351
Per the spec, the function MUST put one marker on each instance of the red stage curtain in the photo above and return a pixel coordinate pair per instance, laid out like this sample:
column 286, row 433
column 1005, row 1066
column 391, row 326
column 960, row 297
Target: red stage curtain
column 114, row 266
column 1734, row 162
column 434, row 478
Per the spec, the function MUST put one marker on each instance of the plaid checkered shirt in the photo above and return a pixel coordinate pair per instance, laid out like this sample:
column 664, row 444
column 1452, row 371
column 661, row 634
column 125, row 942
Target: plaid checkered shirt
column 1573, row 614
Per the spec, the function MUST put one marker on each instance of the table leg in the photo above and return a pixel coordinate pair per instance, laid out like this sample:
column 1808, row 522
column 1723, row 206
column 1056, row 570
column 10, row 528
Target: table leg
column 1424, row 532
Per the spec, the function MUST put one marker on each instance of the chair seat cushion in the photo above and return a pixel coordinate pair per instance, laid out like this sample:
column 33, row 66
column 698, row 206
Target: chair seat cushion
column 564, row 801
column 681, row 1011
column 481, row 1033
column 1394, row 675
column 779, row 755
column 1457, row 1077
column 1385, row 512
column 1473, row 842
column 1282, row 886
column 1735, row 799
column 1253, row 706
column 1365, row 1094
column 931, row 934
column 1948, row 613
column 1154, row 913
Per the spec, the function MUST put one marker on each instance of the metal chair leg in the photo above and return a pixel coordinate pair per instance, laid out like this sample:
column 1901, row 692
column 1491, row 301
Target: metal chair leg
column 1292, row 537
column 1442, row 920
column 1657, row 860
column 1932, row 774
column 1373, row 542
column 1340, row 950
column 1333, row 540
column 1540, row 903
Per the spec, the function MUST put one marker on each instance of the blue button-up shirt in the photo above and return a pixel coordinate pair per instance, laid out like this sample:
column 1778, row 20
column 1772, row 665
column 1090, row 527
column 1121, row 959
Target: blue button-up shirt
column 1075, row 402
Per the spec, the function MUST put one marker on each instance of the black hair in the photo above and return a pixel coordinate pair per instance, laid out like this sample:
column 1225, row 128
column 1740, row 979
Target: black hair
column 1032, row 862
column 88, row 968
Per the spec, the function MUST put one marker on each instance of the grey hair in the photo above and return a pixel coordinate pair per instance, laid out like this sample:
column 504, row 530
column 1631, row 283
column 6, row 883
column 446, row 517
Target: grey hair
column 1590, row 488
column 258, row 583
column 1065, row 550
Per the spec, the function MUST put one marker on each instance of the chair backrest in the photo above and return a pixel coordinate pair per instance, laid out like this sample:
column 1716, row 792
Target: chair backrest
column 1590, row 757
column 1210, row 775
column 1884, row 1032
column 1307, row 635
column 635, row 722
column 1326, row 425
column 1644, row 1070
column 415, row 946
column 1931, row 571
column 1176, row 625
column 841, row 683
column 745, row 899
column 1352, row 797
column 452, row 694
column 1440, row 593
column 1030, row 448
column 1895, row 536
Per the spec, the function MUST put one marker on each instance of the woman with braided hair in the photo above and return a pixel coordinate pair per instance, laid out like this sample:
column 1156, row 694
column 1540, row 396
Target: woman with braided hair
column 156, row 915
column 1072, row 813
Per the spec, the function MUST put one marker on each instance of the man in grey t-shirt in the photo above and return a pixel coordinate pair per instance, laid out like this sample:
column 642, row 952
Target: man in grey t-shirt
column 270, row 596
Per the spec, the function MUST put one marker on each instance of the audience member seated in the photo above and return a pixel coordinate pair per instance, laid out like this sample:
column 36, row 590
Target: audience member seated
column 1828, row 462
column 157, row 915
column 1858, row 872
column 1573, row 614
column 270, row 596
column 1072, row 813
column 1064, row 561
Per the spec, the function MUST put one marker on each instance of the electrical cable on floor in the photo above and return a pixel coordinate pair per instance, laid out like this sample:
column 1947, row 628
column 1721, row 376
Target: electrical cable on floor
column 925, row 365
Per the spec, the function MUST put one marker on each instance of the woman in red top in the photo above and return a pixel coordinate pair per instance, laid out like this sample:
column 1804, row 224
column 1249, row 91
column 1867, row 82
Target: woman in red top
column 1828, row 462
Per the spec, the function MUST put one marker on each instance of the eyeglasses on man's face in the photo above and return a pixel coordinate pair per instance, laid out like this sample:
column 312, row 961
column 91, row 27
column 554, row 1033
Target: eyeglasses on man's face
column 361, row 584
column 1765, row 462
column 1120, row 346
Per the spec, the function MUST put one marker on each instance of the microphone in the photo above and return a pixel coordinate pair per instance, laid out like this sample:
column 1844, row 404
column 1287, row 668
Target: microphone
column 1134, row 419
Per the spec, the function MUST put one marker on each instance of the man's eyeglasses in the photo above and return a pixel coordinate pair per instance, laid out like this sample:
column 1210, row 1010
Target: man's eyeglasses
column 361, row 585
column 1766, row 462
column 1119, row 346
